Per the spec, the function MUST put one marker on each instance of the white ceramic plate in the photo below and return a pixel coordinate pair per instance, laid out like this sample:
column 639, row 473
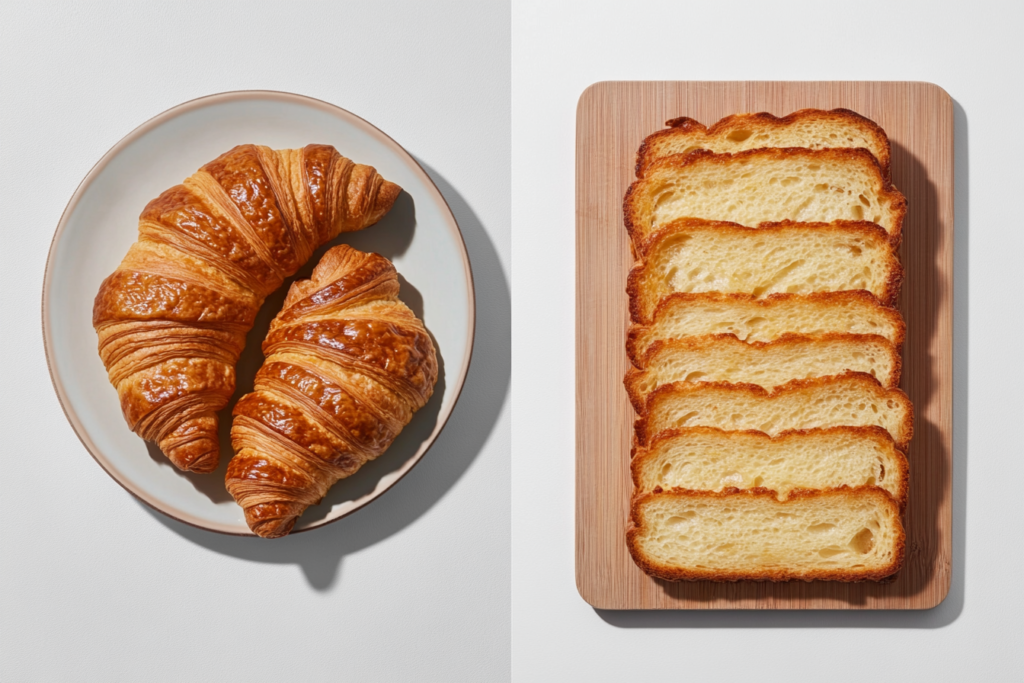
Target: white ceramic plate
column 419, row 235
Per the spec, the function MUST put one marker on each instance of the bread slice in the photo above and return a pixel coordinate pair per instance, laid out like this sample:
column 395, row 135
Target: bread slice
column 752, row 319
column 763, row 185
column 695, row 256
column 810, row 128
column 724, row 358
column 710, row 459
column 836, row 535
column 853, row 399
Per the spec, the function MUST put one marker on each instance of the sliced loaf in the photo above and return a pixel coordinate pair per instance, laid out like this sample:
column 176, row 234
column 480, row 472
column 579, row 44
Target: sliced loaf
column 710, row 459
column 835, row 535
column 696, row 256
column 724, row 358
column 763, row 185
column 810, row 128
column 853, row 399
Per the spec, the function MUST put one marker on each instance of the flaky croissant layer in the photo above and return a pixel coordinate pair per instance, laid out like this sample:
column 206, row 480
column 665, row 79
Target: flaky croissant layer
column 172, row 318
column 347, row 365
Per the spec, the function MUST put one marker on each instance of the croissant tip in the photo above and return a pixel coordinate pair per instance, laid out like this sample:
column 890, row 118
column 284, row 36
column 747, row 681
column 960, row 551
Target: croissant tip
column 274, row 528
column 205, row 463
column 267, row 520
column 385, row 199
column 201, row 456
column 388, row 195
column 193, row 446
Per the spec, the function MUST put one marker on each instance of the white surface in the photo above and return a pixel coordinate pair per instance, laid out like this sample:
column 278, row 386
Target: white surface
column 95, row 587
column 972, row 50
column 419, row 235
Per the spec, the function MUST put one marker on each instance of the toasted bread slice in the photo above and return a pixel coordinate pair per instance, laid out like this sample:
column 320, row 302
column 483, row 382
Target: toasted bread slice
column 710, row 459
column 853, row 399
column 752, row 319
column 835, row 535
column 724, row 358
column 763, row 185
column 810, row 128
column 696, row 256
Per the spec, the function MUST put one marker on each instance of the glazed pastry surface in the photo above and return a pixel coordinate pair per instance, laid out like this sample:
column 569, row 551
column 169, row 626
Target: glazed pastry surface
column 347, row 364
column 172, row 318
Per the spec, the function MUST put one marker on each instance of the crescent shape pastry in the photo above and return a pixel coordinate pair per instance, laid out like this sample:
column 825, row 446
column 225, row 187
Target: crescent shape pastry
column 347, row 364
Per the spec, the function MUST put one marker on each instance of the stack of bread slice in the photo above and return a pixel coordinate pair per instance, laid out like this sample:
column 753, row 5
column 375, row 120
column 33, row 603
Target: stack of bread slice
column 770, row 437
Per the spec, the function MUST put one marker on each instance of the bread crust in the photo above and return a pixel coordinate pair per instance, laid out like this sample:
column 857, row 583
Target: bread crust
column 643, row 435
column 686, row 126
column 634, row 376
column 636, row 330
column 669, row 573
column 683, row 224
column 873, row 432
column 634, row 281
column 632, row 202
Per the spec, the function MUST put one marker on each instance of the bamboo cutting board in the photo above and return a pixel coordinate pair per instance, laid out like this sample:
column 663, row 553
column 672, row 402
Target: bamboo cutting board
column 612, row 119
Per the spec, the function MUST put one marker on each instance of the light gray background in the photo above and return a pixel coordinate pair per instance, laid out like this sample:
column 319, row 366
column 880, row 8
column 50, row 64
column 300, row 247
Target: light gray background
column 96, row 587
column 973, row 50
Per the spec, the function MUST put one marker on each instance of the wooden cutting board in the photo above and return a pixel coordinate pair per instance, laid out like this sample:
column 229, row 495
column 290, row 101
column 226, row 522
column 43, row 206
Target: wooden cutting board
column 612, row 119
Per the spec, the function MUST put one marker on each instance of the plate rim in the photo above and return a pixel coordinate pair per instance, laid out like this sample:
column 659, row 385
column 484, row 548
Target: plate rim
column 166, row 116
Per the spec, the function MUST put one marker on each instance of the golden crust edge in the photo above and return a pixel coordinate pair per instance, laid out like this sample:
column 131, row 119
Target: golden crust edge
column 634, row 288
column 686, row 126
column 641, row 454
column 641, row 435
column 636, row 329
column 667, row 573
column 639, row 401
column 630, row 209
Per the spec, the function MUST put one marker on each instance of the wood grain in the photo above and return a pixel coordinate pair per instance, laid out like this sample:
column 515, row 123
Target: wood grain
column 612, row 119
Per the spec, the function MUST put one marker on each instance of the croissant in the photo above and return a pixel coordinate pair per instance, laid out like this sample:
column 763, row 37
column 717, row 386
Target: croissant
column 172, row 318
column 347, row 364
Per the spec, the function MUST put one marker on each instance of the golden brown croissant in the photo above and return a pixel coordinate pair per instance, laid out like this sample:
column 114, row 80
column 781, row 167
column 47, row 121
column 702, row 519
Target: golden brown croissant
column 172, row 318
column 347, row 365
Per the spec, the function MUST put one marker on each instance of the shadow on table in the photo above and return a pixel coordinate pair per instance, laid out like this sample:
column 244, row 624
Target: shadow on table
column 320, row 552
column 948, row 610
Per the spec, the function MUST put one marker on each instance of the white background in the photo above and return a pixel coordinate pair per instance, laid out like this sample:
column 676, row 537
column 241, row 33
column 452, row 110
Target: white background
column 95, row 587
column 972, row 49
